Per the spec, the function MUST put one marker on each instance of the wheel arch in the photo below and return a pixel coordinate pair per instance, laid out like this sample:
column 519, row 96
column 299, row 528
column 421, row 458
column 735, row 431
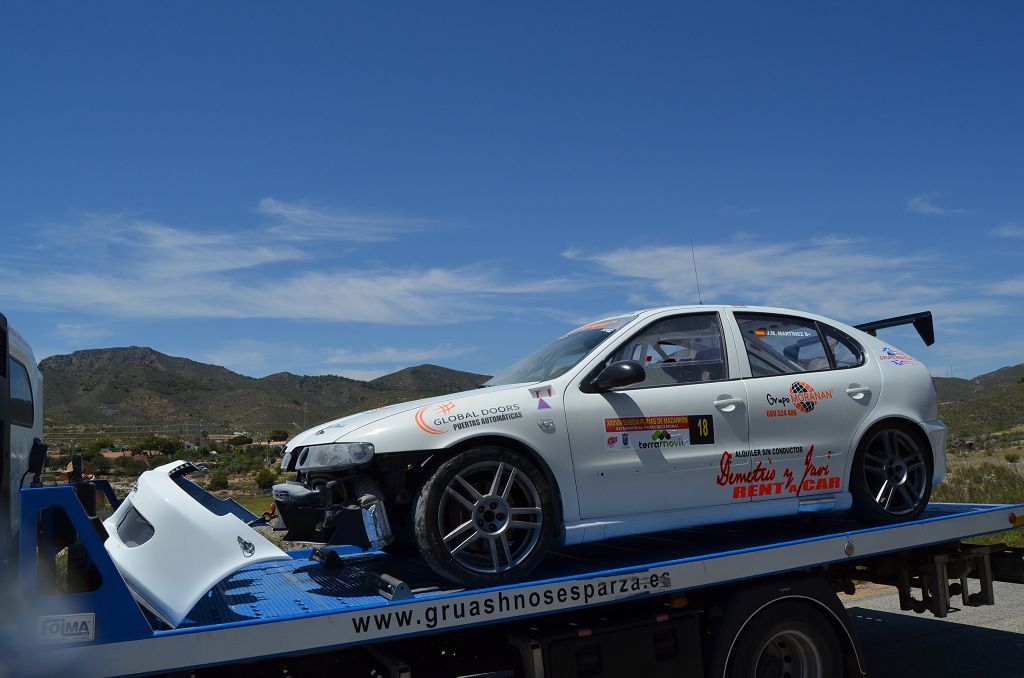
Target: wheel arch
column 847, row 643
column 425, row 461
column 889, row 420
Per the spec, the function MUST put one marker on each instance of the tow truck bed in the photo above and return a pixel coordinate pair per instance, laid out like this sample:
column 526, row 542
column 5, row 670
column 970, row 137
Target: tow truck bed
column 302, row 605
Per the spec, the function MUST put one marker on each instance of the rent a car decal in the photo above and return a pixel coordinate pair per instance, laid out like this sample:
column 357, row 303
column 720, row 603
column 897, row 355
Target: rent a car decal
column 762, row 481
column 646, row 433
column 444, row 417
column 802, row 398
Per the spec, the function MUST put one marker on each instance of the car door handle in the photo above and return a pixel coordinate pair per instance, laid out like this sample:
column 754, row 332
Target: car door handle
column 727, row 404
column 857, row 392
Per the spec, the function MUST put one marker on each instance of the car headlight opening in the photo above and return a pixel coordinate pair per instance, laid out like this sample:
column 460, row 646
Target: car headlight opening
column 334, row 456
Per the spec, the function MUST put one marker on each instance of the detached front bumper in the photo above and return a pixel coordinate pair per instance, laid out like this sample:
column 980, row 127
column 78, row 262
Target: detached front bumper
column 309, row 516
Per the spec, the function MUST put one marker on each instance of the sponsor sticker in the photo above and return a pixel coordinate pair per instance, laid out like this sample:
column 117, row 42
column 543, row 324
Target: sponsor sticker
column 898, row 358
column 802, row 398
column 441, row 418
column 765, row 481
column 665, row 431
column 67, row 628
column 542, row 404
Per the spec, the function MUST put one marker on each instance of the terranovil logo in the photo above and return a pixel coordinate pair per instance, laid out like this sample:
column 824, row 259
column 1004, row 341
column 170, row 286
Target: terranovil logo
column 802, row 397
column 660, row 439
column 248, row 548
column 447, row 414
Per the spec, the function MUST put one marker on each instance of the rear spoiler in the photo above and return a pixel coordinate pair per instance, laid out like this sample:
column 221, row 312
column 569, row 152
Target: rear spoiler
column 922, row 322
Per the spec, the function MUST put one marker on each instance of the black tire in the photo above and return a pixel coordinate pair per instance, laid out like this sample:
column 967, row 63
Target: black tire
column 789, row 638
column 891, row 475
column 485, row 536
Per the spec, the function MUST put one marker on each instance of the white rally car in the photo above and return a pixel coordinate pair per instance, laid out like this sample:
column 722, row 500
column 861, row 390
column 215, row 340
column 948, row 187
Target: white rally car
column 654, row 420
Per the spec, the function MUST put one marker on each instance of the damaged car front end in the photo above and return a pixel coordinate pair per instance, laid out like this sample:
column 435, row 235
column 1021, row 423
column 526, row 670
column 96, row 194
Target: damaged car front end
column 332, row 502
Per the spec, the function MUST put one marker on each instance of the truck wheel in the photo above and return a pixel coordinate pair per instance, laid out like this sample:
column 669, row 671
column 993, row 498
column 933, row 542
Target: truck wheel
column 485, row 517
column 891, row 476
column 786, row 639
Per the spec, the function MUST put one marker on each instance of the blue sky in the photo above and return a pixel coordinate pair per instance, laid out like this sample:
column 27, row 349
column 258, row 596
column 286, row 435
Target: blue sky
column 352, row 188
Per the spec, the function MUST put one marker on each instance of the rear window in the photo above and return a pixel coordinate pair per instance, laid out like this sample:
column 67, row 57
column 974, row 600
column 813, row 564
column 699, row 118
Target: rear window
column 782, row 344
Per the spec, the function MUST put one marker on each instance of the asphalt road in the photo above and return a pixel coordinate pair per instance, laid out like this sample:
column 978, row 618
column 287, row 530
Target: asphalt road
column 974, row 641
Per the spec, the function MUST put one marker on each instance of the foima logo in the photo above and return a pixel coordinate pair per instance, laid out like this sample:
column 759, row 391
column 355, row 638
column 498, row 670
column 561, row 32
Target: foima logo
column 67, row 628
column 804, row 396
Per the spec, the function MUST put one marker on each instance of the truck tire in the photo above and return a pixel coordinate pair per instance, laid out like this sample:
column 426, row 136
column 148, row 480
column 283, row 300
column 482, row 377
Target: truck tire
column 789, row 638
column 485, row 517
column 891, row 475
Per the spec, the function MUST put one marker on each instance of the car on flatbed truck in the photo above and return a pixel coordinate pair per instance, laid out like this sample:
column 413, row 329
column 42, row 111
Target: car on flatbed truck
column 753, row 598
column 650, row 421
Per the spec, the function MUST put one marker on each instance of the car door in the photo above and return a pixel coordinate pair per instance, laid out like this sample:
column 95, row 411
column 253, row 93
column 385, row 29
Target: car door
column 659, row 445
column 810, row 389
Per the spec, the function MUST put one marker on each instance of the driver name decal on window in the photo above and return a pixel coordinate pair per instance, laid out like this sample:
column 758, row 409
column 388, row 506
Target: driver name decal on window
column 645, row 433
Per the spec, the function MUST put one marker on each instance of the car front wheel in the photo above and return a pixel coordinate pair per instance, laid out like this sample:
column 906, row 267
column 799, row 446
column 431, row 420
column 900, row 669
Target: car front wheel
column 485, row 517
column 891, row 478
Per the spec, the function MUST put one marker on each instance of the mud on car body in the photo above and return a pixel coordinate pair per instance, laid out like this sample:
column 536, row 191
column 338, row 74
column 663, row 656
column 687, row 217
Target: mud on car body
column 649, row 421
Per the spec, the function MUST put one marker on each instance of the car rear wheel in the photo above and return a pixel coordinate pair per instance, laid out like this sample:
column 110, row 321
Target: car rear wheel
column 891, row 477
column 484, row 517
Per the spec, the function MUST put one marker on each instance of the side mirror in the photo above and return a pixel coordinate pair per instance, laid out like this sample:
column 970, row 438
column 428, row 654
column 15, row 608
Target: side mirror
column 36, row 460
column 622, row 373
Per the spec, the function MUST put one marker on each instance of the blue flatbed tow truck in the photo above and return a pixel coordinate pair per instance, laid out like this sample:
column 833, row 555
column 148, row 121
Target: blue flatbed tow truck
column 683, row 603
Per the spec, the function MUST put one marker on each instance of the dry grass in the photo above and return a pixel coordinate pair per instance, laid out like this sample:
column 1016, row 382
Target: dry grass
column 980, row 479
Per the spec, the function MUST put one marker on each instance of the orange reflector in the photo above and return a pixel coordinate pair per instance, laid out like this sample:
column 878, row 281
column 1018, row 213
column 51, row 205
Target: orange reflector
column 1013, row 518
column 680, row 602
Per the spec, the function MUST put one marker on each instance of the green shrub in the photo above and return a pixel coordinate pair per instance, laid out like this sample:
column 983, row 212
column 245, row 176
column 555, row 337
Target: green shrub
column 265, row 478
column 1012, row 457
column 240, row 440
column 130, row 466
column 218, row 481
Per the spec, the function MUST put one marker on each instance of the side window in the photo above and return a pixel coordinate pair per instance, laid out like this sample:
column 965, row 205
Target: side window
column 845, row 351
column 782, row 344
column 22, row 408
column 684, row 349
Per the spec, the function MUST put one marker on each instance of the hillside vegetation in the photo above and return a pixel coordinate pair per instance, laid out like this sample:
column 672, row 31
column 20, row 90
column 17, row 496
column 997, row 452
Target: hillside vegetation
column 124, row 387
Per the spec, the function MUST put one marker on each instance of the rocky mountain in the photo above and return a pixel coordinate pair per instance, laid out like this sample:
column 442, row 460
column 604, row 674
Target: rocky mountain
column 135, row 386
column 988, row 403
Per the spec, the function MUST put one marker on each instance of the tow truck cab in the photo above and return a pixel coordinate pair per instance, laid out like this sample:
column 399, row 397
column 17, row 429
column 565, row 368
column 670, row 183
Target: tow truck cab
column 21, row 425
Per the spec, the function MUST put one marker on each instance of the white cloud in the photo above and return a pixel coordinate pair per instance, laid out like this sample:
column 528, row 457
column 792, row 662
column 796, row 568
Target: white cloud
column 838, row 277
column 925, row 204
column 390, row 355
column 1009, row 229
column 1010, row 286
column 119, row 266
column 297, row 221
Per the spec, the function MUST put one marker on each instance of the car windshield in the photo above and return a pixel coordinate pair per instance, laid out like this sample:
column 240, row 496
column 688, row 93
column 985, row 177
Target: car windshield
column 561, row 355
